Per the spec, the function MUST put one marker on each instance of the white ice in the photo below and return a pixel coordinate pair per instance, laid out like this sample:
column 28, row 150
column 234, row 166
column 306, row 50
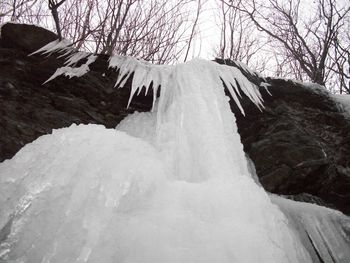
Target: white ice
column 323, row 231
column 72, row 57
column 171, row 185
column 74, row 71
column 60, row 46
column 89, row 194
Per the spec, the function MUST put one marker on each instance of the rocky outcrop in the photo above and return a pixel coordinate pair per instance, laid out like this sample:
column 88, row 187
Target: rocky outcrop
column 25, row 37
column 299, row 143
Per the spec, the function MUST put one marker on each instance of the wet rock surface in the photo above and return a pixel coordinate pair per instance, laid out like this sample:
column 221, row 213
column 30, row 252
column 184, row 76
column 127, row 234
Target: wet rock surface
column 300, row 142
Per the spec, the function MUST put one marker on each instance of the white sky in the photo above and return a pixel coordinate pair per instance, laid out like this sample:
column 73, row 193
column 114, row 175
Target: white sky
column 208, row 32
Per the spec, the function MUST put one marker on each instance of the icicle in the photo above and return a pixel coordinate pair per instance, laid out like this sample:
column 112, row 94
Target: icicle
column 126, row 77
column 73, row 72
column 145, row 73
column 323, row 231
column 132, row 93
column 246, row 69
column 229, row 84
column 155, row 90
column 266, row 87
column 139, row 79
column 230, row 76
column 126, row 68
column 75, row 58
column 55, row 46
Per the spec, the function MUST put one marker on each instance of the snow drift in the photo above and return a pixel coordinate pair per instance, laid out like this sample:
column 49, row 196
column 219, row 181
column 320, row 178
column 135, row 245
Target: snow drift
column 171, row 185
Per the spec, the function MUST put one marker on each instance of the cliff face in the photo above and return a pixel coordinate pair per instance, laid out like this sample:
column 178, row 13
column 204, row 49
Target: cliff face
column 299, row 143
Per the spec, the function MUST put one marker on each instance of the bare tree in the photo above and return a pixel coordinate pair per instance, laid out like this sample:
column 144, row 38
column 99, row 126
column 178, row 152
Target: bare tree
column 238, row 39
column 306, row 44
column 155, row 30
column 118, row 11
column 340, row 63
column 15, row 8
column 193, row 30
column 53, row 6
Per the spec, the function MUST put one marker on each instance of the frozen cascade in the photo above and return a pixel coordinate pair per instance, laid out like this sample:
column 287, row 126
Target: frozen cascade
column 323, row 231
column 170, row 185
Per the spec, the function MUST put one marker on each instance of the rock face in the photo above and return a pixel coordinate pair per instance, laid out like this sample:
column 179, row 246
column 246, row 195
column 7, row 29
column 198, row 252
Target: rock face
column 300, row 142
column 25, row 37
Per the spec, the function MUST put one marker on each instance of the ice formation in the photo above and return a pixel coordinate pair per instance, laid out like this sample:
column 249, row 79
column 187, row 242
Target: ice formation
column 72, row 57
column 323, row 231
column 171, row 185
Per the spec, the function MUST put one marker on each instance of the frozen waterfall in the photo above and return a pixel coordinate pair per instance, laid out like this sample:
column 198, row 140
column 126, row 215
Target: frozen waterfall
column 171, row 185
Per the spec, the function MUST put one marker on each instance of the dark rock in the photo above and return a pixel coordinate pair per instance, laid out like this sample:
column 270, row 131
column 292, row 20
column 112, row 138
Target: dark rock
column 25, row 37
column 299, row 143
column 276, row 178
